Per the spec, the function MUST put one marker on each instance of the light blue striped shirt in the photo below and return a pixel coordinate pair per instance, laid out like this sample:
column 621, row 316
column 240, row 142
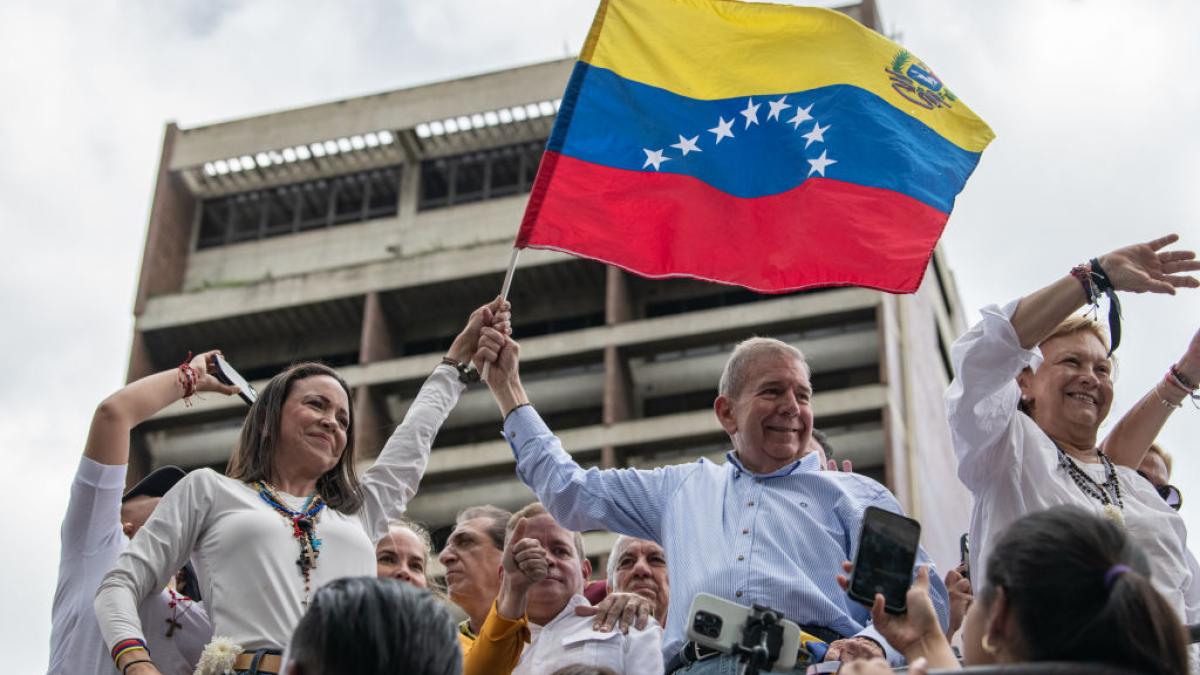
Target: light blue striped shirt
column 776, row 539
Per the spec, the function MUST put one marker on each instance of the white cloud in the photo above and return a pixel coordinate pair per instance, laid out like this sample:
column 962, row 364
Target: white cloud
column 1094, row 104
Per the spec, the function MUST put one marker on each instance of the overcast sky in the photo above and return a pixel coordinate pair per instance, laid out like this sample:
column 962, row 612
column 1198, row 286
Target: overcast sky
column 1094, row 105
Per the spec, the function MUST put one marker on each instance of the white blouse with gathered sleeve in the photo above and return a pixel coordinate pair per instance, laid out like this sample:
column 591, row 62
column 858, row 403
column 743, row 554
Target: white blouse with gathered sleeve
column 243, row 550
column 1011, row 466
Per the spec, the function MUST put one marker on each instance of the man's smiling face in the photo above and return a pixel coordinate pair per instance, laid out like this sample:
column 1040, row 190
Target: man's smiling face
column 770, row 420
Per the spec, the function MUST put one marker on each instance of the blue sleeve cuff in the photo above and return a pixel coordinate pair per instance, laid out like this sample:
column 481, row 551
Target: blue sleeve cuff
column 522, row 424
column 894, row 658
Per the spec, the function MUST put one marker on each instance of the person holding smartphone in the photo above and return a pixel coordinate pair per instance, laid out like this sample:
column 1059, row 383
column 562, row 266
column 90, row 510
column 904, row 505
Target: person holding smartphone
column 100, row 521
column 1033, row 385
column 289, row 515
column 768, row 526
column 1063, row 585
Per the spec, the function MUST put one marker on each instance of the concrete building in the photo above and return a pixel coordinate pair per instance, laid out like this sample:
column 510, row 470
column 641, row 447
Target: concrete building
column 362, row 232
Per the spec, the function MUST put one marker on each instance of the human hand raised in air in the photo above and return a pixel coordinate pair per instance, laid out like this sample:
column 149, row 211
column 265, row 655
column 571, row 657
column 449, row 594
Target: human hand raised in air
column 525, row 563
column 501, row 354
column 1146, row 268
column 496, row 315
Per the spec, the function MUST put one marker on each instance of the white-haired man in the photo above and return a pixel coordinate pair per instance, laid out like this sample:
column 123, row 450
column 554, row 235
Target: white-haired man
column 766, row 527
column 640, row 566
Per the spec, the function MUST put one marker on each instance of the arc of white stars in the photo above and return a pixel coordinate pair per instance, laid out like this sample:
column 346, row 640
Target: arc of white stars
column 751, row 112
column 818, row 165
column 777, row 107
column 816, row 134
column 723, row 129
column 686, row 145
column 655, row 158
column 802, row 115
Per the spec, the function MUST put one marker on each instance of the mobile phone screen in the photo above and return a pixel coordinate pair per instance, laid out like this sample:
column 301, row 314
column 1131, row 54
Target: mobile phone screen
column 887, row 549
column 228, row 375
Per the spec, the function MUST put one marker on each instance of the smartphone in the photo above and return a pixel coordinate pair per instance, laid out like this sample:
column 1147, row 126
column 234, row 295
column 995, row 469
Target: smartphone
column 718, row 624
column 964, row 551
column 226, row 373
column 887, row 549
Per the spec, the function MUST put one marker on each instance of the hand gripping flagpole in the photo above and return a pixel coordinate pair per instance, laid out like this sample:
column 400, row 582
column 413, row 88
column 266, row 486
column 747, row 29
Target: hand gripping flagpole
column 508, row 277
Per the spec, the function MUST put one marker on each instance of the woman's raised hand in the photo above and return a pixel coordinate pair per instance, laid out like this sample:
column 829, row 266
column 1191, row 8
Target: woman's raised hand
column 205, row 365
column 1145, row 268
column 496, row 314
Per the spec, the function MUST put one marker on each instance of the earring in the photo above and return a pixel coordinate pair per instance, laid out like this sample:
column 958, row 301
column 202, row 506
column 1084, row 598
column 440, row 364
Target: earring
column 988, row 646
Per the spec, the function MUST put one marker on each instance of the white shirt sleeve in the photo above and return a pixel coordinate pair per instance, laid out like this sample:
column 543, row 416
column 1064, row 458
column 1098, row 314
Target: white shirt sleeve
column 160, row 548
column 643, row 650
column 93, row 519
column 1191, row 594
column 392, row 481
column 981, row 403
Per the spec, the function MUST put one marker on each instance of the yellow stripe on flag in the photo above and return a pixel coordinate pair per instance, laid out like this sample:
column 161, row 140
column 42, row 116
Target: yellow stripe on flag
column 715, row 49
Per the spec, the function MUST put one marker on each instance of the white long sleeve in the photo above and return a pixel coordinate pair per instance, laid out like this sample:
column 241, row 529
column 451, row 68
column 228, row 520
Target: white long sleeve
column 392, row 481
column 1012, row 468
column 245, row 553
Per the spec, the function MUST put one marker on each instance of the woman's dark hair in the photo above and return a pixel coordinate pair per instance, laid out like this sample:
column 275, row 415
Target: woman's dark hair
column 361, row 625
column 1060, row 575
column 255, row 453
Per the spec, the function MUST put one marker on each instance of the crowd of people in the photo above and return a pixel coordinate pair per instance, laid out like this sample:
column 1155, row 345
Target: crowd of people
column 1078, row 552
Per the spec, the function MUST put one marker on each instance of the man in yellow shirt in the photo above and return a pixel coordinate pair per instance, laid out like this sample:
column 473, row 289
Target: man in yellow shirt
column 472, row 561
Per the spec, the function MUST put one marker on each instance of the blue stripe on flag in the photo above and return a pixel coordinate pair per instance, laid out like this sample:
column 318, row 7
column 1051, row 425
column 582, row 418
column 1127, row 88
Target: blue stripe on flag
column 608, row 120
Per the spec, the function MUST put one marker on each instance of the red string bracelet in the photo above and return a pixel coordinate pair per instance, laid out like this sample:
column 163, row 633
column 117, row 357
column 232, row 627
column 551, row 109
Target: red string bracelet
column 1084, row 274
column 187, row 379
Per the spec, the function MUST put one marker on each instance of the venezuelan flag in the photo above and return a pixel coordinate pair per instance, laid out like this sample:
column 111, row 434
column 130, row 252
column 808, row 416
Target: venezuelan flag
column 767, row 146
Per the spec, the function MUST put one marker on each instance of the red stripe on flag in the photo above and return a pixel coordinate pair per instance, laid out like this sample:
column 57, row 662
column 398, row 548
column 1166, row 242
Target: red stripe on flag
column 822, row 233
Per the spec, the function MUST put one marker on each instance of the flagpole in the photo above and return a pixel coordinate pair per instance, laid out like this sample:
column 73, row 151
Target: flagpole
column 512, row 266
column 508, row 277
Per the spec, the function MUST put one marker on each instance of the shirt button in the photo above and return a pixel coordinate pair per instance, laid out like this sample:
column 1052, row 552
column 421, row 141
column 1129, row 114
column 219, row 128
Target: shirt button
column 745, row 530
column 804, row 505
column 741, row 557
column 738, row 594
column 749, row 503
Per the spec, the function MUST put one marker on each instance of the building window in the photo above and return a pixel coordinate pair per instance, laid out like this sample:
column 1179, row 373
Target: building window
column 475, row 176
column 298, row 207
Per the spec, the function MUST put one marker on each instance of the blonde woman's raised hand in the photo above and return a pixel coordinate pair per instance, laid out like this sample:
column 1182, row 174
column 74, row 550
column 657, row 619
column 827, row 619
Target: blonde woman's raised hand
column 1146, row 268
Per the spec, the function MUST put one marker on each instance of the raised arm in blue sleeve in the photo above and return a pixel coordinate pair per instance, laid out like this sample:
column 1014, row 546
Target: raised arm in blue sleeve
column 627, row 501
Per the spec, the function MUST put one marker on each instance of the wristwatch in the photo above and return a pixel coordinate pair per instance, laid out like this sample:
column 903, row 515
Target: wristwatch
column 466, row 371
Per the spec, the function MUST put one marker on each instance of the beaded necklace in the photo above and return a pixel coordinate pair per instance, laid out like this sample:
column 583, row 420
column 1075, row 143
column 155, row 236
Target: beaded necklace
column 304, row 529
column 1107, row 493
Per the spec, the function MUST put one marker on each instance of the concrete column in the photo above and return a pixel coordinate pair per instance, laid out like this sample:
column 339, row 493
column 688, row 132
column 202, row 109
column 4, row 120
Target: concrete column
column 168, row 243
column 618, row 382
column 372, row 425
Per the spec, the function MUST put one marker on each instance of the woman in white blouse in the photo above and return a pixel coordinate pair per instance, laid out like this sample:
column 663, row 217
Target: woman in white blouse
column 290, row 515
column 1033, row 385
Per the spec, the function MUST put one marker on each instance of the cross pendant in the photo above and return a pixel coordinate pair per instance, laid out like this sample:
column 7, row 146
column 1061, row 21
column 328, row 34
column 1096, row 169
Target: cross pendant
column 173, row 625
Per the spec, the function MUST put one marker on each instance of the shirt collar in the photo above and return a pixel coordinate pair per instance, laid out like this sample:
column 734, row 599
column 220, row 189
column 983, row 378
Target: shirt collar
column 809, row 462
column 569, row 610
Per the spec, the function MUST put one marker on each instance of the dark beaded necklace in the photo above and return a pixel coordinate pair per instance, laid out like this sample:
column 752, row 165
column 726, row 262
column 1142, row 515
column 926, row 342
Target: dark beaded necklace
column 1107, row 493
column 304, row 529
